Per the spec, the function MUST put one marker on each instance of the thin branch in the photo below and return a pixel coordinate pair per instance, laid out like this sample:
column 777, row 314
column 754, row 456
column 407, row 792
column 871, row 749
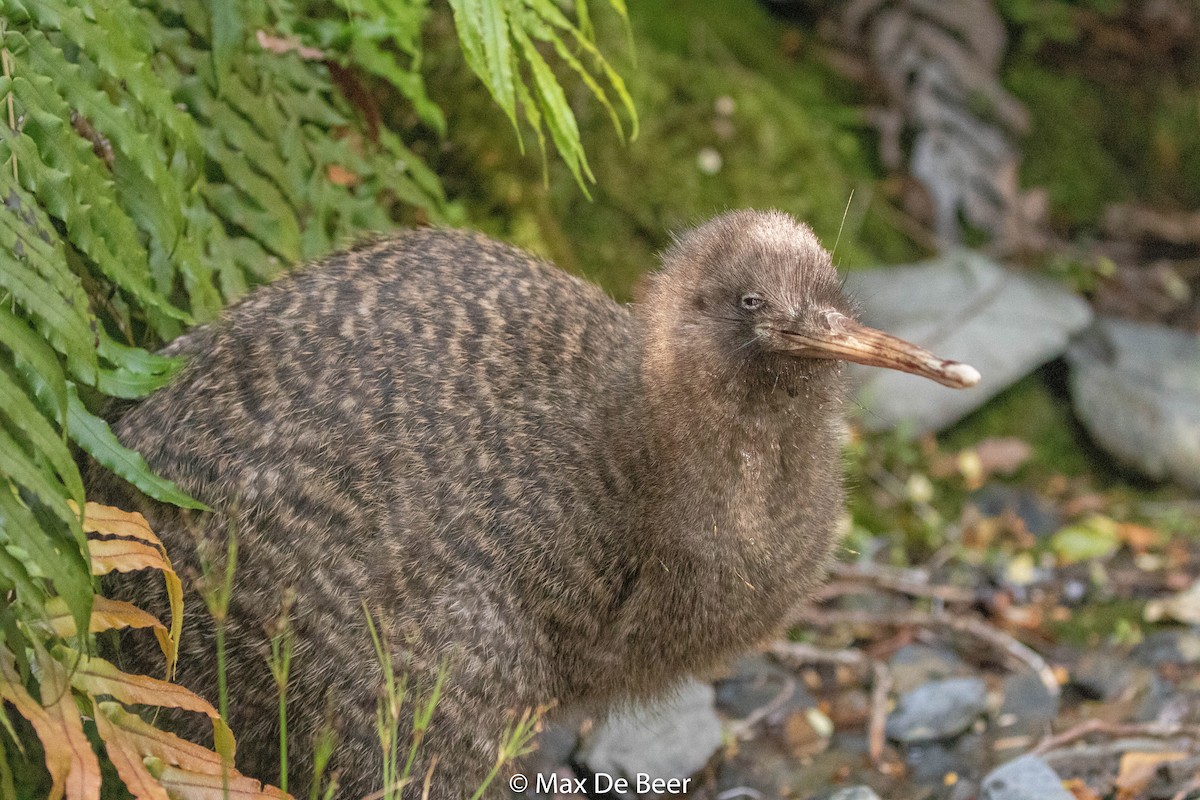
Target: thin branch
column 909, row 582
column 1117, row 730
column 798, row 653
column 742, row 728
column 881, row 687
column 972, row 626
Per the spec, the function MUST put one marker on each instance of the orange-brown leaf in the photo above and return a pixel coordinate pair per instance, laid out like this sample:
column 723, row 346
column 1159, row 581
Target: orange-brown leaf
column 83, row 776
column 288, row 44
column 72, row 765
column 341, row 176
column 106, row 615
column 97, row 676
column 127, row 759
column 1003, row 455
column 1139, row 538
column 115, row 522
column 127, row 556
column 123, row 555
column 186, row 785
column 1080, row 790
column 175, row 598
column 147, row 740
column 111, row 615
column 1137, row 769
column 55, row 741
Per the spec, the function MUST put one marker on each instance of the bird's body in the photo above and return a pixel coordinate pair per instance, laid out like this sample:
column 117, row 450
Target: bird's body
column 563, row 500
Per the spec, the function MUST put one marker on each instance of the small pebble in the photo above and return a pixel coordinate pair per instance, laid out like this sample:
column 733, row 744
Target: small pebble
column 937, row 710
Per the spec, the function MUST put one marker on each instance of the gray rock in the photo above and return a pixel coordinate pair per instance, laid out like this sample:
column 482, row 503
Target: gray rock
column 854, row 793
column 1025, row 715
column 930, row 762
column 1103, row 675
column 1171, row 646
column 916, row 664
column 1027, row 699
column 672, row 739
column 758, row 683
column 555, row 744
column 1136, row 388
column 969, row 308
column 1040, row 516
column 937, row 710
column 1025, row 778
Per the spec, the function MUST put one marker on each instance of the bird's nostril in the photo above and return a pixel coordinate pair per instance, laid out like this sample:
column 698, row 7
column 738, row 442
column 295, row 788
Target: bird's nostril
column 834, row 320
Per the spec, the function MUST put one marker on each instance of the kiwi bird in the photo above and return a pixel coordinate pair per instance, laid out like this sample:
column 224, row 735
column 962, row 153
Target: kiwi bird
column 560, row 499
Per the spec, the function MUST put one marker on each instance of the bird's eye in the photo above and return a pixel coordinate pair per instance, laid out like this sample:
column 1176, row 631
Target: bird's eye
column 752, row 301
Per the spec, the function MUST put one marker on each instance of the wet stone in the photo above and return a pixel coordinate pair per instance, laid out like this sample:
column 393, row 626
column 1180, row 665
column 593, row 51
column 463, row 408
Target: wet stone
column 756, row 683
column 563, row 781
column 1025, row 714
column 937, row 710
column 1026, row 778
column 758, row 769
column 1028, row 699
column 1038, row 514
column 930, row 762
column 1106, row 676
column 1134, row 387
column 555, row 745
column 963, row 304
column 1168, row 647
column 852, row 793
column 672, row 739
column 850, row 709
column 916, row 664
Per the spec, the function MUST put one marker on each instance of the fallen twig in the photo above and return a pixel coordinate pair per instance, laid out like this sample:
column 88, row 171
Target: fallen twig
column 973, row 626
column 851, row 578
column 881, row 686
column 742, row 728
column 1091, row 727
column 798, row 653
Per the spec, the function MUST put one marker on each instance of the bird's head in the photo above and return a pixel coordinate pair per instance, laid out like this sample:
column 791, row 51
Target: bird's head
column 754, row 294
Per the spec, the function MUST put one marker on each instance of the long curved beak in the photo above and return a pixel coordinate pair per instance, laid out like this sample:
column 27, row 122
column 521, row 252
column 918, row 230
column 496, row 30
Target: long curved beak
column 846, row 339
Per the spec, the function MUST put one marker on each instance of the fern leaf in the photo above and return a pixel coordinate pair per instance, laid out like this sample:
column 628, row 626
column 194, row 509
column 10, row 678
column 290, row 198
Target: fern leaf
column 62, row 319
column 74, row 189
column 135, row 151
column 32, row 355
column 227, row 32
column 483, row 31
column 546, row 12
column 23, row 415
column 46, row 552
column 560, row 119
column 94, row 436
column 14, row 577
column 106, row 43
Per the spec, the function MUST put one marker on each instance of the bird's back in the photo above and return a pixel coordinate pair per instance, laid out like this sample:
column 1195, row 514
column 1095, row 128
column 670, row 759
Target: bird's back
column 447, row 348
column 414, row 424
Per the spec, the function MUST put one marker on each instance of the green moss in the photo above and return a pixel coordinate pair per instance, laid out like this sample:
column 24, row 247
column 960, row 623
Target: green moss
column 1106, row 127
column 1097, row 622
column 1066, row 149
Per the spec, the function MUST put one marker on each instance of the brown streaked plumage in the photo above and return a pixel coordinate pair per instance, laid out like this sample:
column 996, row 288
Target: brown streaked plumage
column 569, row 500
